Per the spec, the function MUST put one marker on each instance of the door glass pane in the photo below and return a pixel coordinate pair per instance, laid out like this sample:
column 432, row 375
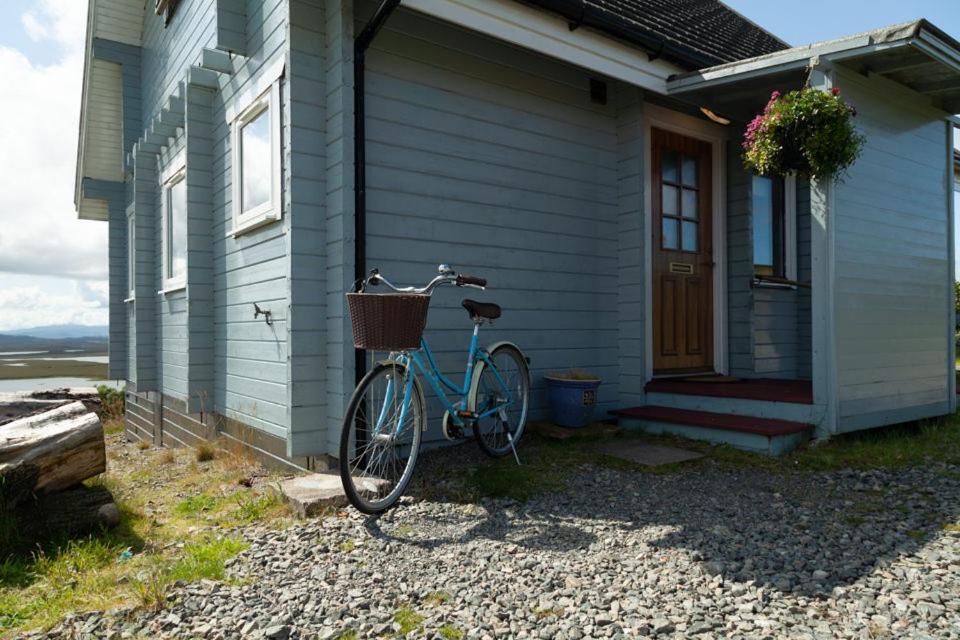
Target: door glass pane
column 255, row 170
column 690, row 171
column 689, row 203
column 670, row 200
column 177, row 226
column 671, row 233
column 690, row 239
column 763, row 221
column 669, row 166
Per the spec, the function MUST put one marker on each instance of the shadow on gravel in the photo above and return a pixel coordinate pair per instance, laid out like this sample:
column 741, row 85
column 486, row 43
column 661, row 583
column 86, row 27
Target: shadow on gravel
column 797, row 532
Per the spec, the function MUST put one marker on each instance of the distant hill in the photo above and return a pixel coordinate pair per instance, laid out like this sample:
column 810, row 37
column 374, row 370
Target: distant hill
column 14, row 343
column 60, row 331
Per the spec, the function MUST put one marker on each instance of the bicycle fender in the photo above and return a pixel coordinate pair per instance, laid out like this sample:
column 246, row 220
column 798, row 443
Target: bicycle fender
column 478, row 369
column 416, row 385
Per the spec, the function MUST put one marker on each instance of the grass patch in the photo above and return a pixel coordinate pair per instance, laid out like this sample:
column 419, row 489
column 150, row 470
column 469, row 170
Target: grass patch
column 916, row 535
column 543, row 614
column 170, row 510
column 952, row 527
column 37, row 367
column 450, row 632
column 408, row 620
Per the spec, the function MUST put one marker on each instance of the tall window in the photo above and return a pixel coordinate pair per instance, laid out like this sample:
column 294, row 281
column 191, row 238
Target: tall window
column 131, row 255
column 256, row 161
column 174, row 242
column 774, row 227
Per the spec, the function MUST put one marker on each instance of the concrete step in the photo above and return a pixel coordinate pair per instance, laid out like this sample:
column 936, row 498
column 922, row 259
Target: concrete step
column 312, row 494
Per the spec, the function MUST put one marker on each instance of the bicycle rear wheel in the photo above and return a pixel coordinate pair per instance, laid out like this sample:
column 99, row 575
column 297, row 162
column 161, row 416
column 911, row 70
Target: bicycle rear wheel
column 380, row 438
column 509, row 377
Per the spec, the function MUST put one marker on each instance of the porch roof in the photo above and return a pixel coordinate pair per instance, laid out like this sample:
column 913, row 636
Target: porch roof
column 916, row 54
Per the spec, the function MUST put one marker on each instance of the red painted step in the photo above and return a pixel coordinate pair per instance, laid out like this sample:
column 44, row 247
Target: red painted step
column 768, row 389
column 724, row 421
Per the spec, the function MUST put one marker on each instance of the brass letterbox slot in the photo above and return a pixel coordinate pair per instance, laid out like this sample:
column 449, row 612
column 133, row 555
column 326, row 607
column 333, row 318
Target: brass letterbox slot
column 681, row 267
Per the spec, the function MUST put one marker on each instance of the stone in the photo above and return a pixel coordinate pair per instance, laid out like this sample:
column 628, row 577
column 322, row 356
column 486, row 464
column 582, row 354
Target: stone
column 310, row 495
column 646, row 454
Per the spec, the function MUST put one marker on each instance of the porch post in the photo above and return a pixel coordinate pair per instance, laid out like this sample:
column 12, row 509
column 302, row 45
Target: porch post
column 823, row 302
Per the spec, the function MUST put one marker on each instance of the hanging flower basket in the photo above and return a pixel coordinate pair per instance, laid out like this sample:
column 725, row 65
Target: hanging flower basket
column 807, row 132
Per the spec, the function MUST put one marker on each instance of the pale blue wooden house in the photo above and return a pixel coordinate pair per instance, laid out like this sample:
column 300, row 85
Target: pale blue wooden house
column 583, row 155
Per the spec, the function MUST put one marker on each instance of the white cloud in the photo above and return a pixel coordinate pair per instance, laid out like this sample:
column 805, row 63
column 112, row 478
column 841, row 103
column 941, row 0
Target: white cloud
column 39, row 116
column 34, row 301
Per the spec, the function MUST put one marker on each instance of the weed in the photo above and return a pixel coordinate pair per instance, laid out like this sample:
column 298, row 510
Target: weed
column 951, row 527
column 450, row 632
column 194, row 505
column 855, row 521
column 143, row 445
column 112, row 402
column 408, row 620
column 347, row 546
column 206, row 452
column 251, row 507
column 916, row 535
column 403, row 530
column 206, row 559
column 436, row 598
column 349, row 634
column 167, row 457
column 553, row 612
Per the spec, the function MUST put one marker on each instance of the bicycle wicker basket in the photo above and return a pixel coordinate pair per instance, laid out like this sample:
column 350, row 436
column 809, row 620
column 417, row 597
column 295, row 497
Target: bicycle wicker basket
column 387, row 321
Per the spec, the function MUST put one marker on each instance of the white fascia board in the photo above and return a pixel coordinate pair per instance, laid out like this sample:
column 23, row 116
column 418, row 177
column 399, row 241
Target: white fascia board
column 550, row 35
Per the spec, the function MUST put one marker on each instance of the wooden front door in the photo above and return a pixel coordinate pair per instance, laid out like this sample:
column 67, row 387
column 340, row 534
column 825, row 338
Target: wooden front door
column 682, row 253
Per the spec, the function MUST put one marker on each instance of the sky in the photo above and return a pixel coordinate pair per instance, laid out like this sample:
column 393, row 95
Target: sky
column 53, row 267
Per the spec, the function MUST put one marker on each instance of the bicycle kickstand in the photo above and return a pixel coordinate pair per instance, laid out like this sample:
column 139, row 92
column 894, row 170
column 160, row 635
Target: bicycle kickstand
column 503, row 421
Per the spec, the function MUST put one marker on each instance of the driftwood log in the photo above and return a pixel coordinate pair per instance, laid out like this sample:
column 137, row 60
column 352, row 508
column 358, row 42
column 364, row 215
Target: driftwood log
column 44, row 459
column 63, row 447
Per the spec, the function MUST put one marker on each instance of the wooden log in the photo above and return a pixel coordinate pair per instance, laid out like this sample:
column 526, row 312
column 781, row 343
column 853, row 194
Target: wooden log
column 65, row 445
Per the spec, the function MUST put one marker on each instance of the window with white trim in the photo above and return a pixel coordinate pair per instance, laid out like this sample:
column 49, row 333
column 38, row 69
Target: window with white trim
column 774, row 227
column 174, row 227
column 131, row 255
column 256, row 161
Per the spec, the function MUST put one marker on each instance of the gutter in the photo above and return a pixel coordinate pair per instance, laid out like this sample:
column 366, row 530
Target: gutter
column 580, row 13
column 360, row 45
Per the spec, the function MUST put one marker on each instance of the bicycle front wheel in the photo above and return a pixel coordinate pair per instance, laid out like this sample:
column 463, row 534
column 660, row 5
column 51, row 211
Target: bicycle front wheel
column 500, row 390
column 381, row 436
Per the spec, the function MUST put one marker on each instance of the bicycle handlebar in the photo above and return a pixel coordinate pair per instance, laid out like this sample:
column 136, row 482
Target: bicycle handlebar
column 446, row 277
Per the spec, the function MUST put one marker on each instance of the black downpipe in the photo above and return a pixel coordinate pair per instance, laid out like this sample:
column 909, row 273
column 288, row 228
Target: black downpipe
column 360, row 45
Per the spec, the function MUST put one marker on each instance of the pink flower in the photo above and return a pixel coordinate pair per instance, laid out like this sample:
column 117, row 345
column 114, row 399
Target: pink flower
column 835, row 91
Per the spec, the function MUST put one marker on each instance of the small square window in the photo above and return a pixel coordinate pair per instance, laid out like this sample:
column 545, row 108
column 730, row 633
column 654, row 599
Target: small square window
column 174, row 239
column 256, row 161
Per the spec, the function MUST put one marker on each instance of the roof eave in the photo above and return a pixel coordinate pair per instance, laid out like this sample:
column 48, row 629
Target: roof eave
column 88, row 52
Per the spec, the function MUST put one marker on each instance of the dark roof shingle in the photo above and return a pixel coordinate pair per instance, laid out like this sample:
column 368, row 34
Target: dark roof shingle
column 696, row 33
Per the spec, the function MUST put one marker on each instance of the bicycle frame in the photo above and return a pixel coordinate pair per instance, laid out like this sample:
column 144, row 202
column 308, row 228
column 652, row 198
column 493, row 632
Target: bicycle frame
column 440, row 384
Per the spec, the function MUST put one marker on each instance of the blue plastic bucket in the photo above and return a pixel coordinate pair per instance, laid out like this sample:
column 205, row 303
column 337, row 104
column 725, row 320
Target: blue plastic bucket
column 571, row 402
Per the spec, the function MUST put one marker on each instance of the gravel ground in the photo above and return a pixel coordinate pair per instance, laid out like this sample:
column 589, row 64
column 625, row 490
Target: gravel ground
column 707, row 552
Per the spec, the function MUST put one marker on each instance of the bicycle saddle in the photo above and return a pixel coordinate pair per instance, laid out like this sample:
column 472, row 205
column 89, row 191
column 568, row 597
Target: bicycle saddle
column 486, row 310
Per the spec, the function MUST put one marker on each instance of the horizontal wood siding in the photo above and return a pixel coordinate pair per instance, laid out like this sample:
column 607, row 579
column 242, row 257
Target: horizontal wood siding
column 169, row 50
column 250, row 357
column 338, row 243
column 305, row 110
column 496, row 161
column 891, row 266
column 632, row 278
column 739, row 265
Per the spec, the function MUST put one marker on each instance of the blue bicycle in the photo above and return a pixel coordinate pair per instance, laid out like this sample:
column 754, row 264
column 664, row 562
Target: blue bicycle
column 387, row 415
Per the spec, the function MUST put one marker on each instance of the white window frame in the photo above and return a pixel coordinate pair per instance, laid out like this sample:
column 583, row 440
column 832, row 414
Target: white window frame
column 131, row 255
column 175, row 173
column 271, row 210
